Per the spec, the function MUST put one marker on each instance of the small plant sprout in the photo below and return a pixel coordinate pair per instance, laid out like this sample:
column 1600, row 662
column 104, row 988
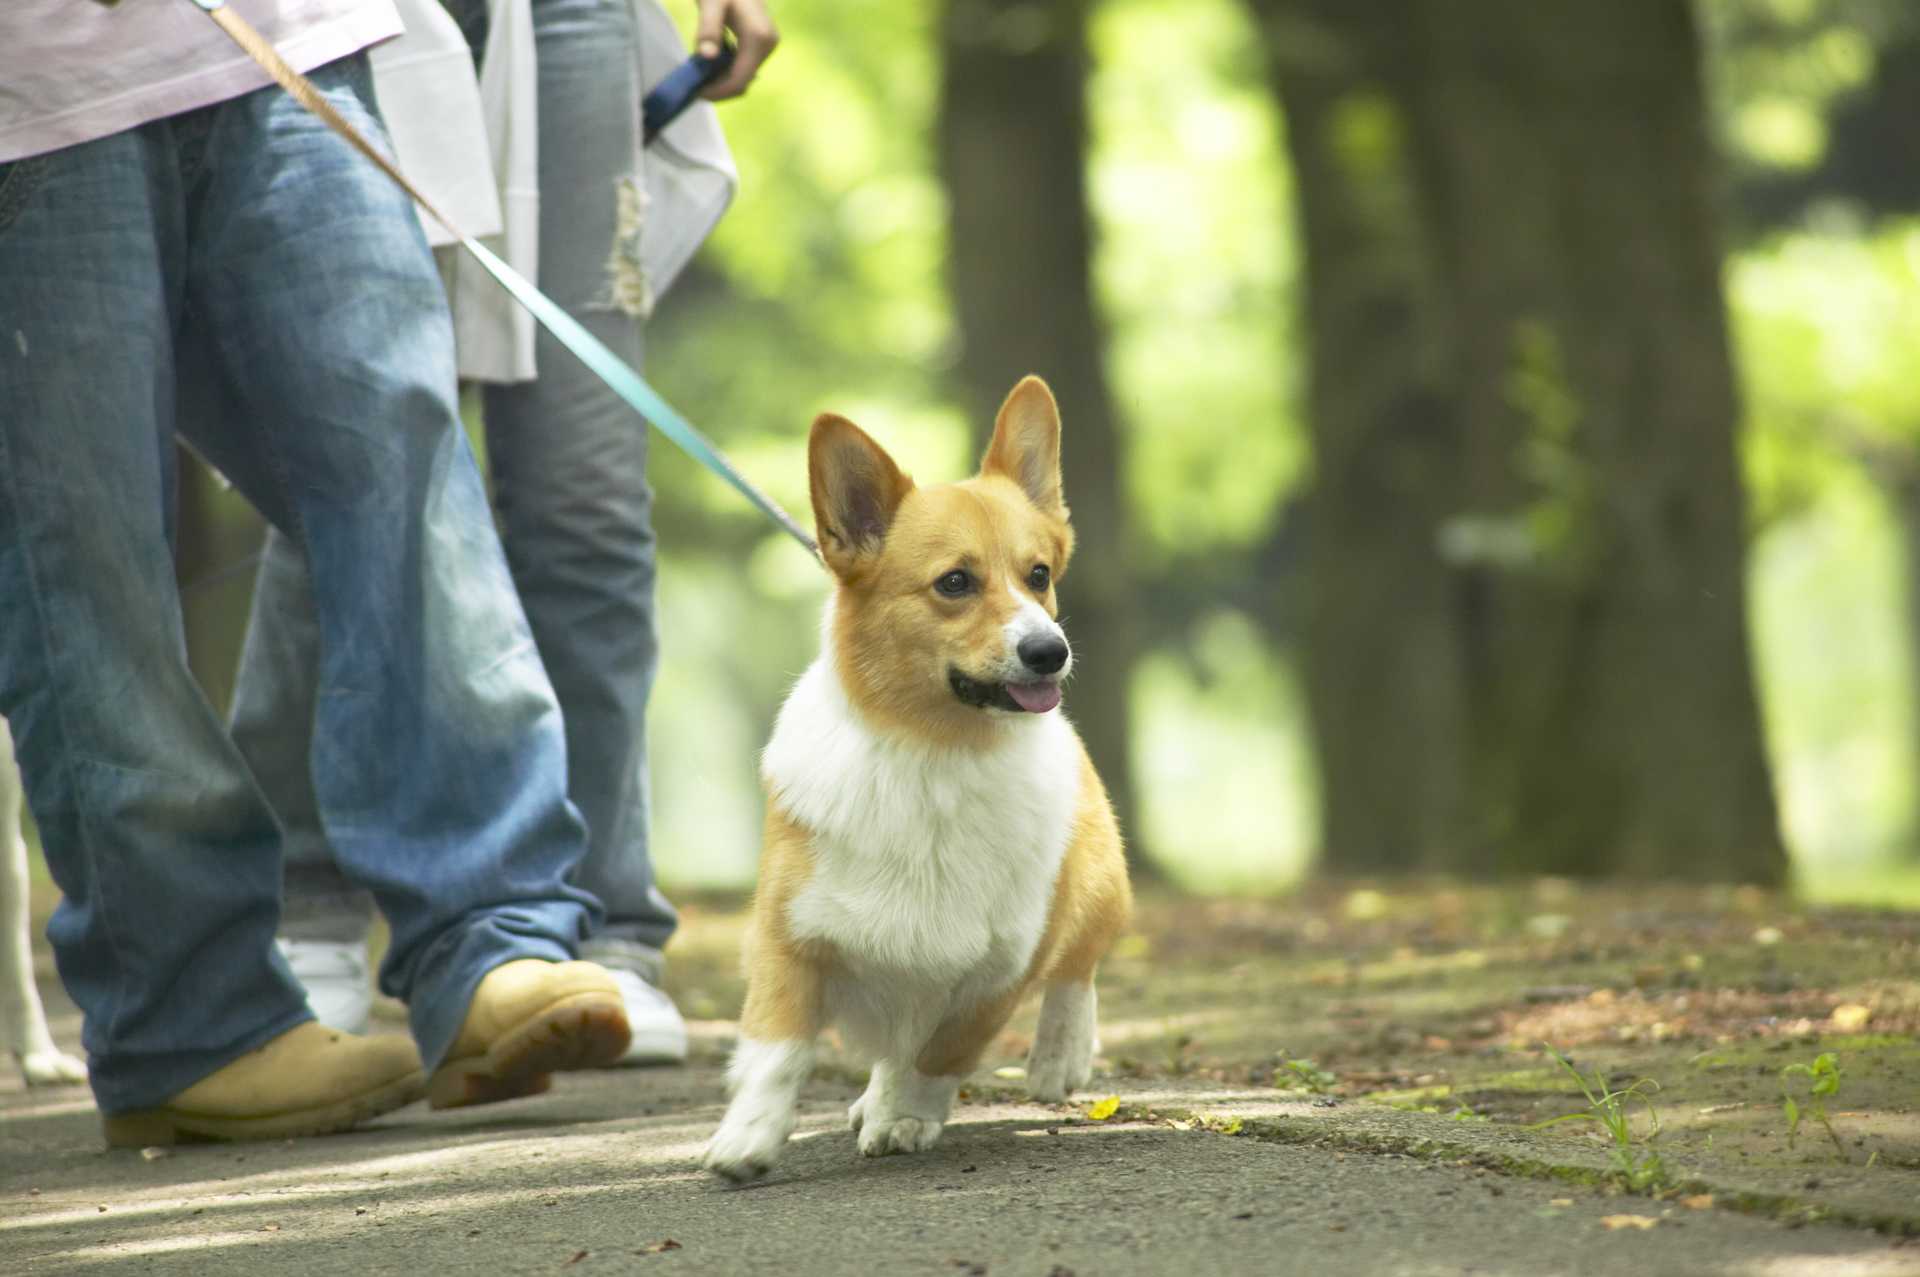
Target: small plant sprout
column 1636, row 1169
column 1302, row 1074
column 1823, row 1080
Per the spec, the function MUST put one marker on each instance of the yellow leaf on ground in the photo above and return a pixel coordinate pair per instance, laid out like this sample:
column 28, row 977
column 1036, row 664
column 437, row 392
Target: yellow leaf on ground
column 1851, row 1018
column 1101, row 1110
column 1011, row 1073
column 1699, row 1201
column 1628, row 1221
column 1561, row 1201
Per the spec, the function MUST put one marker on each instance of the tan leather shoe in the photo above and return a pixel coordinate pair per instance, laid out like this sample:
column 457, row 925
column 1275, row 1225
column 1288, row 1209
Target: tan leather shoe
column 528, row 1019
column 311, row 1080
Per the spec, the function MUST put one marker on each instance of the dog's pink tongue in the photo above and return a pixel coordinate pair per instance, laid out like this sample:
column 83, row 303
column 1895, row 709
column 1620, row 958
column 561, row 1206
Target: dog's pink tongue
column 1035, row 698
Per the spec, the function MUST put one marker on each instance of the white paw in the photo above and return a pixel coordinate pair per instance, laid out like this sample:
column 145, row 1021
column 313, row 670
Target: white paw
column 899, row 1135
column 1061, row 1060
column 1047, row 1080
column 746, row 1147
column 51, row 1068
column 856, row 1114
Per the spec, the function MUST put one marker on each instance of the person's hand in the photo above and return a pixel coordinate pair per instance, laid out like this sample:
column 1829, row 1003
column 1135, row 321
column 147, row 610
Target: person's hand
column 751, row 25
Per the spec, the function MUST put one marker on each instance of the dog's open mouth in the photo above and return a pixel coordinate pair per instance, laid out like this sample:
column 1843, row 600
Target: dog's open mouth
column 1021, row 698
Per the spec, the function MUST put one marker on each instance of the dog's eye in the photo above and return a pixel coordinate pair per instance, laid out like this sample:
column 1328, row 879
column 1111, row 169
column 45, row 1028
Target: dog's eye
column 954, row 584
column 1039, row 579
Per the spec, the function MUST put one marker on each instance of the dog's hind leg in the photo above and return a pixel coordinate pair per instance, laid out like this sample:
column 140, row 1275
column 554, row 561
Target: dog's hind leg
column 23, row 1022
column 1061, row 1061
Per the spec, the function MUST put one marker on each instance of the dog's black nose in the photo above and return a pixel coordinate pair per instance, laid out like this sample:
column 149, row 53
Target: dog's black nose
column 1043, row 654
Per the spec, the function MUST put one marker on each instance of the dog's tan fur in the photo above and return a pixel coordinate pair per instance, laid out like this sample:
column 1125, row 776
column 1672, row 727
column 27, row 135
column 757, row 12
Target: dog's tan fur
column 893, row 638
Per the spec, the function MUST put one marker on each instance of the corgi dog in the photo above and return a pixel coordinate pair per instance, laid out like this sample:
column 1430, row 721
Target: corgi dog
column 23, row 1021
column 937, row 843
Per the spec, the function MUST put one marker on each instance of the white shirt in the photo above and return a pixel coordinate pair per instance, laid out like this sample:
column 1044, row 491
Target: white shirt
column 72, row 71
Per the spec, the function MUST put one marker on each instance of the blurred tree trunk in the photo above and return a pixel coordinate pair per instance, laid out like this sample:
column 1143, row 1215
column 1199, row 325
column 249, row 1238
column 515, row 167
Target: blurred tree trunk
column 1574, row 495
column 1383, row 657
column 1012, row 149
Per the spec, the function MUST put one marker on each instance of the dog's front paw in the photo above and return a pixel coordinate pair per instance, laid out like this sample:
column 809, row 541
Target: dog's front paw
column 51, row 1068
column 745, row 1148
column 882, row 1136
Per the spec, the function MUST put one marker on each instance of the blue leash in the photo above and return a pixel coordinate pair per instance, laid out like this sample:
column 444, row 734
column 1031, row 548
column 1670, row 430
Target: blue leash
column 632, row 387
column 674, row 95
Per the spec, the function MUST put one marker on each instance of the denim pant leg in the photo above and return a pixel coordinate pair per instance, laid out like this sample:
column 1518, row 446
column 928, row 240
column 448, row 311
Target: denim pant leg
column 165, row 851
column 279, row 676
column 438, row 762
column 569, row 463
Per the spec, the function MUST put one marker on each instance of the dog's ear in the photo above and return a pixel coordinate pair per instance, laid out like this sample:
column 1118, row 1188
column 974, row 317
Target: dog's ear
column 1026, row 445
column 856, row 490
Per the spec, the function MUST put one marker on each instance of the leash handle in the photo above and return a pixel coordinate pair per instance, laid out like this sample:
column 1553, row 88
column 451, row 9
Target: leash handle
column 590, row 350
column 680, row 89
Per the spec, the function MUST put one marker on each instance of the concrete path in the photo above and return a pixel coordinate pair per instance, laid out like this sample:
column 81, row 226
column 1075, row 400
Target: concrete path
column 600, row 1176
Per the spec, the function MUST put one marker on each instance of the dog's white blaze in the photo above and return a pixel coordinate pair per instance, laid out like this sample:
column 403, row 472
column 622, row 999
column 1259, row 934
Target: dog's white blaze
column 1031, row 621
column 933, row 868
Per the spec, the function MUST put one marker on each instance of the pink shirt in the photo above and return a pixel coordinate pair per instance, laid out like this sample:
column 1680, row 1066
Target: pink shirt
column 72, row 70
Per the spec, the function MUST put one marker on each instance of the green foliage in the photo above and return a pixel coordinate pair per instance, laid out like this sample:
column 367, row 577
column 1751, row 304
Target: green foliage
column 1302, row 1074
column 1196, row 271
column 1637, row 1168
column 1781, row 68
column 1822, row 1082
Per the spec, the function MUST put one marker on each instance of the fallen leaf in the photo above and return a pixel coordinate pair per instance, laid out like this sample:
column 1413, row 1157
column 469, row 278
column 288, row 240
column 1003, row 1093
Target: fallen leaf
column 153, row 1153
column 1699, row 1201
column 1768, row 935
column 659, row 1248
column 1011, row 1073
column 1851, row 1018
column 1561, row 1201
column 1225, row 1126
column 1101, row 1110
column 578, row 1255
column 270, row 1228
column 1177, row 1124
column 1628, row 1221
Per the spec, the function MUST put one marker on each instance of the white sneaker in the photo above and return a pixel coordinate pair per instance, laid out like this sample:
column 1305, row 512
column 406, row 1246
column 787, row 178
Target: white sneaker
column 335, row 976
column 659, row 1033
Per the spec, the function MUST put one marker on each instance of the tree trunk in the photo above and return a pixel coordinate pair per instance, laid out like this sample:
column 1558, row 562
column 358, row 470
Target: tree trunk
column 1575, row 479
column 1012, row 149
column 1385, row 696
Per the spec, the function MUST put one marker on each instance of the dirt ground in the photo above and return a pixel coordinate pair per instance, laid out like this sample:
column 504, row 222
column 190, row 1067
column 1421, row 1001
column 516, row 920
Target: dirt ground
column 1443, row 999
column 1351, row 1079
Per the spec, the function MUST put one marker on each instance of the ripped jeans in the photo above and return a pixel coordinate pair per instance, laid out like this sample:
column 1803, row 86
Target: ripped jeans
column 568, row 462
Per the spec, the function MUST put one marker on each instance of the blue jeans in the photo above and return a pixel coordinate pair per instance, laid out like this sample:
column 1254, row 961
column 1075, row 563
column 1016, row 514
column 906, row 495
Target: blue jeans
column 569, row 465
column 244, row 251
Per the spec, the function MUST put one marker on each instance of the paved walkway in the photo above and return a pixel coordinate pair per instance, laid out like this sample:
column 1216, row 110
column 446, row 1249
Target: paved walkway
column 600, row 1176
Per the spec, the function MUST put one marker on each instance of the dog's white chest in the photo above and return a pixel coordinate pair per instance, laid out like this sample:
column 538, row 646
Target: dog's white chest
column 933, row 866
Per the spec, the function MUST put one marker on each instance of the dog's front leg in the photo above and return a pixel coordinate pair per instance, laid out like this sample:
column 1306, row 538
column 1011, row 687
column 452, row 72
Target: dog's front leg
column 772, row 1062
column 903, row 1109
